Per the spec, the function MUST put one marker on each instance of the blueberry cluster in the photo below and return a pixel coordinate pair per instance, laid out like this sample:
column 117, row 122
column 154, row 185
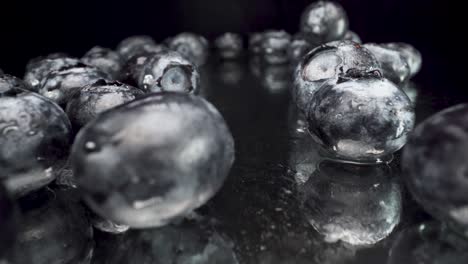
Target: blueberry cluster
column 123, row 130
column 126, row 132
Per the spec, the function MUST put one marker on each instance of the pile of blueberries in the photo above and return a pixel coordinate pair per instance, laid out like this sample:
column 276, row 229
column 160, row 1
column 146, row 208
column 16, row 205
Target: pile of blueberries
column 126, row 132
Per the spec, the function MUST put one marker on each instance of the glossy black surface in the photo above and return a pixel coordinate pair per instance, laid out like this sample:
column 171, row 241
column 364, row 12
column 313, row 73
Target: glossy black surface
column 264, row 208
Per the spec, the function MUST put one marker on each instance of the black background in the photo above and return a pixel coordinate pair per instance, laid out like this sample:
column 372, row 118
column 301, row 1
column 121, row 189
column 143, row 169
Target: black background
column 42, row 27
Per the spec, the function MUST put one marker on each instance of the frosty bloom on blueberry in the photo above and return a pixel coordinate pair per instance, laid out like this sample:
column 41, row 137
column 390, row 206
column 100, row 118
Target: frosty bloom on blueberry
column 150, row 161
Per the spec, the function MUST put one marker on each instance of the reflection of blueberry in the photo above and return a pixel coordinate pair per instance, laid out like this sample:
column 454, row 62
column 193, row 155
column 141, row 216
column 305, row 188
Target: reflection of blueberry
column 329, row 62
column 169, row 71
column 359, row 205
column 324, row 21
column 106, row 60
column 187, row 242
column 34, row 135
column 53, row 229
column 88, row 102
column 364, row 120
column 154, row 159
column 436, row 168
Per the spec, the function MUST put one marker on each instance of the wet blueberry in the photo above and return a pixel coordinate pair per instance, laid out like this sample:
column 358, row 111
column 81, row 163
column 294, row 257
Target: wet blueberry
column 192, row 46
column 363, row 120
column 359, row 205
column 60, row 84
column 274, row 46
column 84, row 105
column 229, row 45
column 255, row 41
column 410, row 53
column 106, row 60
column 131, row 45
column 150, row 161
column 34, row 137
column 435, row 167
column 299, row 47
column 324, row 21
column 329, row 62
column 394, row 65
column 53, row 229
column 169, row 71
column 38, row 69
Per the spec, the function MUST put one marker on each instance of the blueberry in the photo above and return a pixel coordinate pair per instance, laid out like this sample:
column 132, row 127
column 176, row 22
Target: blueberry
column 60, row 84
column 38, row 69
column 359, row 205
column 192, row 46
column 410, row 53
column 229, row 45
column 363, row 120
column 274, row 47
column 8, row 215
column 152, row 160
column 84, row 105
column 131, row 45
column 352, row 36
column 185, row 243
column 9, row 82
column 255, row 41
column 324, row 21
column 299, row 47
column 133, row 67
column 106, row 60
column 34, row 136
column 434, row 163
column 329, row 62
column 428, row 243
column 53, row 229
column 169, row 71
column 395, row 66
